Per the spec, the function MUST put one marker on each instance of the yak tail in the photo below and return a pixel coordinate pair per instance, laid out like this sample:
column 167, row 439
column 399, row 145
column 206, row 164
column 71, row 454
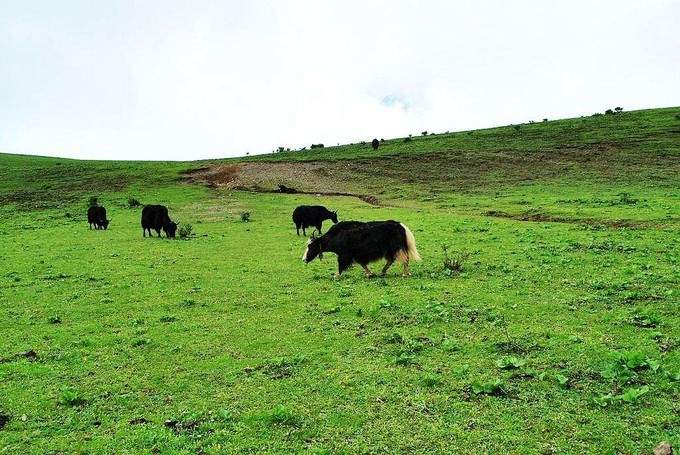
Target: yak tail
column 411, row 252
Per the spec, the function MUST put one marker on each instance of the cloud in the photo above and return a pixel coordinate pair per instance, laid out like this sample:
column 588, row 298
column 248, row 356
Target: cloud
column 177, row 80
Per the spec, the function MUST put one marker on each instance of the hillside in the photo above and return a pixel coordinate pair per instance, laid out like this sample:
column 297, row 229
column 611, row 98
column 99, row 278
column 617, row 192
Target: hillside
column 543, row 317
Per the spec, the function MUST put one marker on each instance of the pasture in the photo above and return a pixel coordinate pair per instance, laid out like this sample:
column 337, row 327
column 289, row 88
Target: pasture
column 559, row 334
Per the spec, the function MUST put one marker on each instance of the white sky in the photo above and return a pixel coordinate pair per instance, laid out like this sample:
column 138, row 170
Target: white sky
column 169, row 79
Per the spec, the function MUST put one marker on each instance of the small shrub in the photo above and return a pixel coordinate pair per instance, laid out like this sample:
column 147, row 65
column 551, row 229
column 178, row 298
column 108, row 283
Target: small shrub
column 608, row 112
column 432, row 380
column 453, row 264
column 133, row 203
column 545, row 119
column 281, row 415
column 316, row 146
column 645, row 319
column 510, row 363
column 407, row 139
column 185, row 231
column 93, row 201
column 245, row 217
column 630, row 396
column 494, row 387
column 625, row 199
column 54, row 319
column 618, row 109
column 71, row 397
column 167, row 318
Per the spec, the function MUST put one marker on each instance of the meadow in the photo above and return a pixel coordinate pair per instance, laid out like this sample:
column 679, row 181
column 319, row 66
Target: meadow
column 543, row 317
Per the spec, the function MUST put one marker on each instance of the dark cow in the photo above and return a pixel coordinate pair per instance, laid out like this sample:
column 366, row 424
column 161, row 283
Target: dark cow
column 375, row 144
column 306, row 216
column 96, row 216
column 156, row 217
column 364, row 244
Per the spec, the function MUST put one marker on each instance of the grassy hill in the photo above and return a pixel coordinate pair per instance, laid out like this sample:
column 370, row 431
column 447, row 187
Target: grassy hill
column 559, row 335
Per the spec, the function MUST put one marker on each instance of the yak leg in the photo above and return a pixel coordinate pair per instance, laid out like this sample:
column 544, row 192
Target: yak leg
column 343, row 264
column 304, row 232
column 297, row 228
column 406, row 270
column 369, row 274
column 318, row 228
column 387, row 266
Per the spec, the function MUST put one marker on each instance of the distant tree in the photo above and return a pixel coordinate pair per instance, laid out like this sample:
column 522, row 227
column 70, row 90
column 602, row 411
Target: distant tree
column 316, row 146
column 424, row 133
column 545, row 119
column 608, row 112
column 280, row 149
column 382, row 140
column 375, row 143
column 618, row 109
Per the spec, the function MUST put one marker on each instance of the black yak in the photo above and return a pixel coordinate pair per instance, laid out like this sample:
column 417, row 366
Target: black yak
column 96, row 215
column 306, row 216
column 156, row 217
column 375, row 144
column 364, row 244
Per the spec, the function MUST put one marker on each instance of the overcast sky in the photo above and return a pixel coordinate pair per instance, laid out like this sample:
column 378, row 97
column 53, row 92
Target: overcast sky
column 195, row 79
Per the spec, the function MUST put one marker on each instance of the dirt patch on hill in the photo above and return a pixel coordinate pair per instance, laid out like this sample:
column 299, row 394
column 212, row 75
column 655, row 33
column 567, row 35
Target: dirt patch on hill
column 547, row 218
column 326, row 178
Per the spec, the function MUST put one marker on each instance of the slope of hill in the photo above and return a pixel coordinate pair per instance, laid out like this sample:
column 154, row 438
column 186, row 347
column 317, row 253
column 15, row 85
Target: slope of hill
column 543, row 318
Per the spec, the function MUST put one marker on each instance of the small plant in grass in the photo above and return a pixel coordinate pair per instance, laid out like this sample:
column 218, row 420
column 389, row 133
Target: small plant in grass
column 133, row 203
column 405, row 359
column 54, row 319
column 281, row 415
column 493, row 387
column 185, row 231
column 71, row 397
column 167, row 318
column 245, row 217
column 510, row 363
column 625, row 199
column 630, row 396
column 645, row 319
column 432, row 380
column 453, row 262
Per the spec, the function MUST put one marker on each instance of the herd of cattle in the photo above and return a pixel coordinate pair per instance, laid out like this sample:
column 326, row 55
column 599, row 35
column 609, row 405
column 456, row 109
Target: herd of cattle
column 352, row 241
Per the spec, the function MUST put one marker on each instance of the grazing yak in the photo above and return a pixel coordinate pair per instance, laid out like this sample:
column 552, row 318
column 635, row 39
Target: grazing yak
column 96, row 215
column 156, row 217
column 306, row 216
column 364, row 243
column 375, row 143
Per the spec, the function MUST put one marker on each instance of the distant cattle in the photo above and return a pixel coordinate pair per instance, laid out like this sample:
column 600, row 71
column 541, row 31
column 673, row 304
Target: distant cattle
column 96, row 216
column 363, row 244
column 375, row 143
column 306, row 216
column 156, row 217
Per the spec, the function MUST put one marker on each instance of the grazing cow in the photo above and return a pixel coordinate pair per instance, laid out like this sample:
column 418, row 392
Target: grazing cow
column 306, row 216
column 371, row 242
column 156, row 217
column 96, row 215
column 375, row 144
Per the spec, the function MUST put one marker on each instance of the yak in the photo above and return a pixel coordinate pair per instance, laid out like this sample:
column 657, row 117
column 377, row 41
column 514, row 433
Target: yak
column 375, row 143
column 156, row 217
column 306, row 216
column 365, row 243
column 96, row 216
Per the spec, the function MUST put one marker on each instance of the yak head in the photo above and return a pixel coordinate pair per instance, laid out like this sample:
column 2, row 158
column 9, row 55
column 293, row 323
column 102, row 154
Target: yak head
column 313, row 249
column 334, row 217
column 105, row 223
column 170, row 229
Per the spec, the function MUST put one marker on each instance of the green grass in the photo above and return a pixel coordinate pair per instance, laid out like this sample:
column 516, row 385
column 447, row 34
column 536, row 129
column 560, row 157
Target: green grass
column 556, row 336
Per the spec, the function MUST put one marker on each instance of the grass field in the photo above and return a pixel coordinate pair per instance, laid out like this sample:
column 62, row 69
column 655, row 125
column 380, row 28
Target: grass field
column 559, row 335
